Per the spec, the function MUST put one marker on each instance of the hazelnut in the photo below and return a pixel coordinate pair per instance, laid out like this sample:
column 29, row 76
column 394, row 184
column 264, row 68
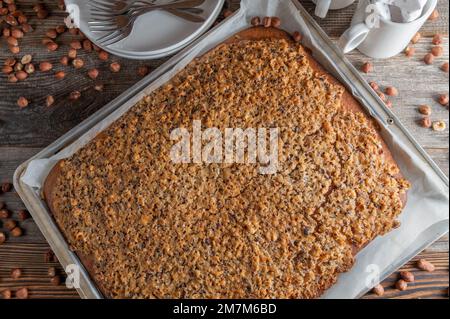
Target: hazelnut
column 23, row 214
column 367, row 67
column 16, row 273
column 42, row 14
column 444, row 67
column 27, row 28
column 434, row 15
column 443, row 99
column 60, row 29
column 428, row 59
column 60, row 75
column 437, row 39
column 6, row 294
column 22, row 293
column 12, row 78
column 16, row 232
column 10, row 62
column 378, row 290
column 425, row 265
column 99, row 87
column 10, row 224
column 26, row 59
column 12, row 41
column 49, row 100
column 425, row 122
column 267, row 22
column 87, row 45
column 14, row 49
column 52, row 46
column 416, row 38
column 374, row 86
column 73, row 31
column 64, row 60
column 18, row 67
column 276, row 22
column 437, row 51
column 410, row 51
column 297, row 36
column 55, row 280
column 439, row 126
column 389, row 104
column 103, row 55
column 425, row 110
column 382, row 96
column 4, row 213
column 45, row 66
column 7, row 69
column 256, row 21
column 17, row 33
column 391, row 91
column 74, row 95
column 72, row 54
column 51, row 271
column 2, row 238
column 49, row 256
column 78, row 63
column 114, row 67
column 407, row 276
column 401, row 285
column 143, row 70
column 52, row 34
column 93, row 73
column 46, row 41
column 29, row 68
column 22, row 102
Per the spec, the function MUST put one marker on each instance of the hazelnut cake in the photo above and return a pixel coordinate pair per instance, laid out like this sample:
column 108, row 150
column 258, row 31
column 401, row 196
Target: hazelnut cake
column 146, row 227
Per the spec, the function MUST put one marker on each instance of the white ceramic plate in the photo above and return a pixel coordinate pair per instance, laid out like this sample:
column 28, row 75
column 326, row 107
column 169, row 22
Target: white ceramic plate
column 155, row 34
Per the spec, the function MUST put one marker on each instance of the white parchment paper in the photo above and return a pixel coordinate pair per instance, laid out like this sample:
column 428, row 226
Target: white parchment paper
column 427, row 213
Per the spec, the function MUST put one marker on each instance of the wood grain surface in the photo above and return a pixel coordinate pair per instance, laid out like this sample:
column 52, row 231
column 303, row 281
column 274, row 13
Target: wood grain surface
column 24, row 132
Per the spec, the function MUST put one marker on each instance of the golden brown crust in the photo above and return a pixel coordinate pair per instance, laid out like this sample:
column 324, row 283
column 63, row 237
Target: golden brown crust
column 254, row 34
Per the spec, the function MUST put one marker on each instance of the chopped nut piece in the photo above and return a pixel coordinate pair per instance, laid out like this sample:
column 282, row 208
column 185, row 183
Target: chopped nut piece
column 49, row 100
column 416, row 38
column 410, row 51
column 439, row 126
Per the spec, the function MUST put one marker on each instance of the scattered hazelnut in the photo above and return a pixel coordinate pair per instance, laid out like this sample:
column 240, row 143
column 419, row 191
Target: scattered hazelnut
column 17, row 33
column 2, row 238
column 60, row 75
column 14, row 49
column 6, row 294
column 51, row 271
column 425, row 265
column 22, row 102
column 391, row 91
column 78, row 63
column 401, row 285
column 49, row 100
column 10, row 62
column 276, row 22
column 52, row 46
column 267, row 22
column 10, row 224
column 410, row 51
column 87, row 45
column 45, row 66
column 378, row 290
column 60, row 29
column 42, row 14
column 428, row 59
column 425, row 122
column 416, row 38
column 114, row 67
column 75, row 45
column 437, row 51
column 99, row 87
column 297, row 36
column 55, row 280
column 49, row 256
column 439, row 126
column 389, row 104
column 93, row 73
column 103, row 55
column 434, row 15
column 16, row 232
column 12, row 78
column 27, row 28
column 22, row 293
column 407, row 276
column 23, row 215
column 12, row 41
column 437, row 39
column 443, row 99
column 29, row 68
column 374, row 86
column 143, row 70
column 444, row 67
column 7, row 69
column 425, row 110
column 16, row 273
column 64, row 60
column 74, row 95
column 367, row 67
column 4, row 213
column 72, row 54
column 26, row 59
column 256, row 21
column 52, row 34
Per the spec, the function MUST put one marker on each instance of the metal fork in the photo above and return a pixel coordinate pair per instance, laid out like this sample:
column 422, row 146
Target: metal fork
column 122, row 25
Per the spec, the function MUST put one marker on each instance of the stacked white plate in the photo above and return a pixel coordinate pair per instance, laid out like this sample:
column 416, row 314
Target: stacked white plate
column 155, row 35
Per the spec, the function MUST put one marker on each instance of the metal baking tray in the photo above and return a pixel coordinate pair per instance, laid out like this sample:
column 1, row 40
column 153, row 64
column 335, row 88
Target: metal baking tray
column 46, row 224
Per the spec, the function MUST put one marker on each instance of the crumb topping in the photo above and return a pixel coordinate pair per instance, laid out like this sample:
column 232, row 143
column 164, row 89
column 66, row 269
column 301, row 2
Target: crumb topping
column 155, row 229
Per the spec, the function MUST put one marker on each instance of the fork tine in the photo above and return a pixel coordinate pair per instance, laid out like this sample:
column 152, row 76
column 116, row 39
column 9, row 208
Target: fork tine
column 114, row 38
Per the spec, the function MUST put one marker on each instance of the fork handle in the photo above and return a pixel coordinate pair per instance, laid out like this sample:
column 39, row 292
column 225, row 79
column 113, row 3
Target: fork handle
column 176, row 5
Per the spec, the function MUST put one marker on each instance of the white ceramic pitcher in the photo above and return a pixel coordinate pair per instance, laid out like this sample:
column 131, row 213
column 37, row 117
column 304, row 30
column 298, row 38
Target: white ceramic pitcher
column 322, row 6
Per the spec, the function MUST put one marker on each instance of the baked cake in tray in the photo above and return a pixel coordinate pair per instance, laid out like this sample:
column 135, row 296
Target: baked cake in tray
column 146, row 227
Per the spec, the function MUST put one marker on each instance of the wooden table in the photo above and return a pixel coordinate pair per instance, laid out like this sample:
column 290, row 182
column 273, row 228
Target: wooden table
column 24, row 132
